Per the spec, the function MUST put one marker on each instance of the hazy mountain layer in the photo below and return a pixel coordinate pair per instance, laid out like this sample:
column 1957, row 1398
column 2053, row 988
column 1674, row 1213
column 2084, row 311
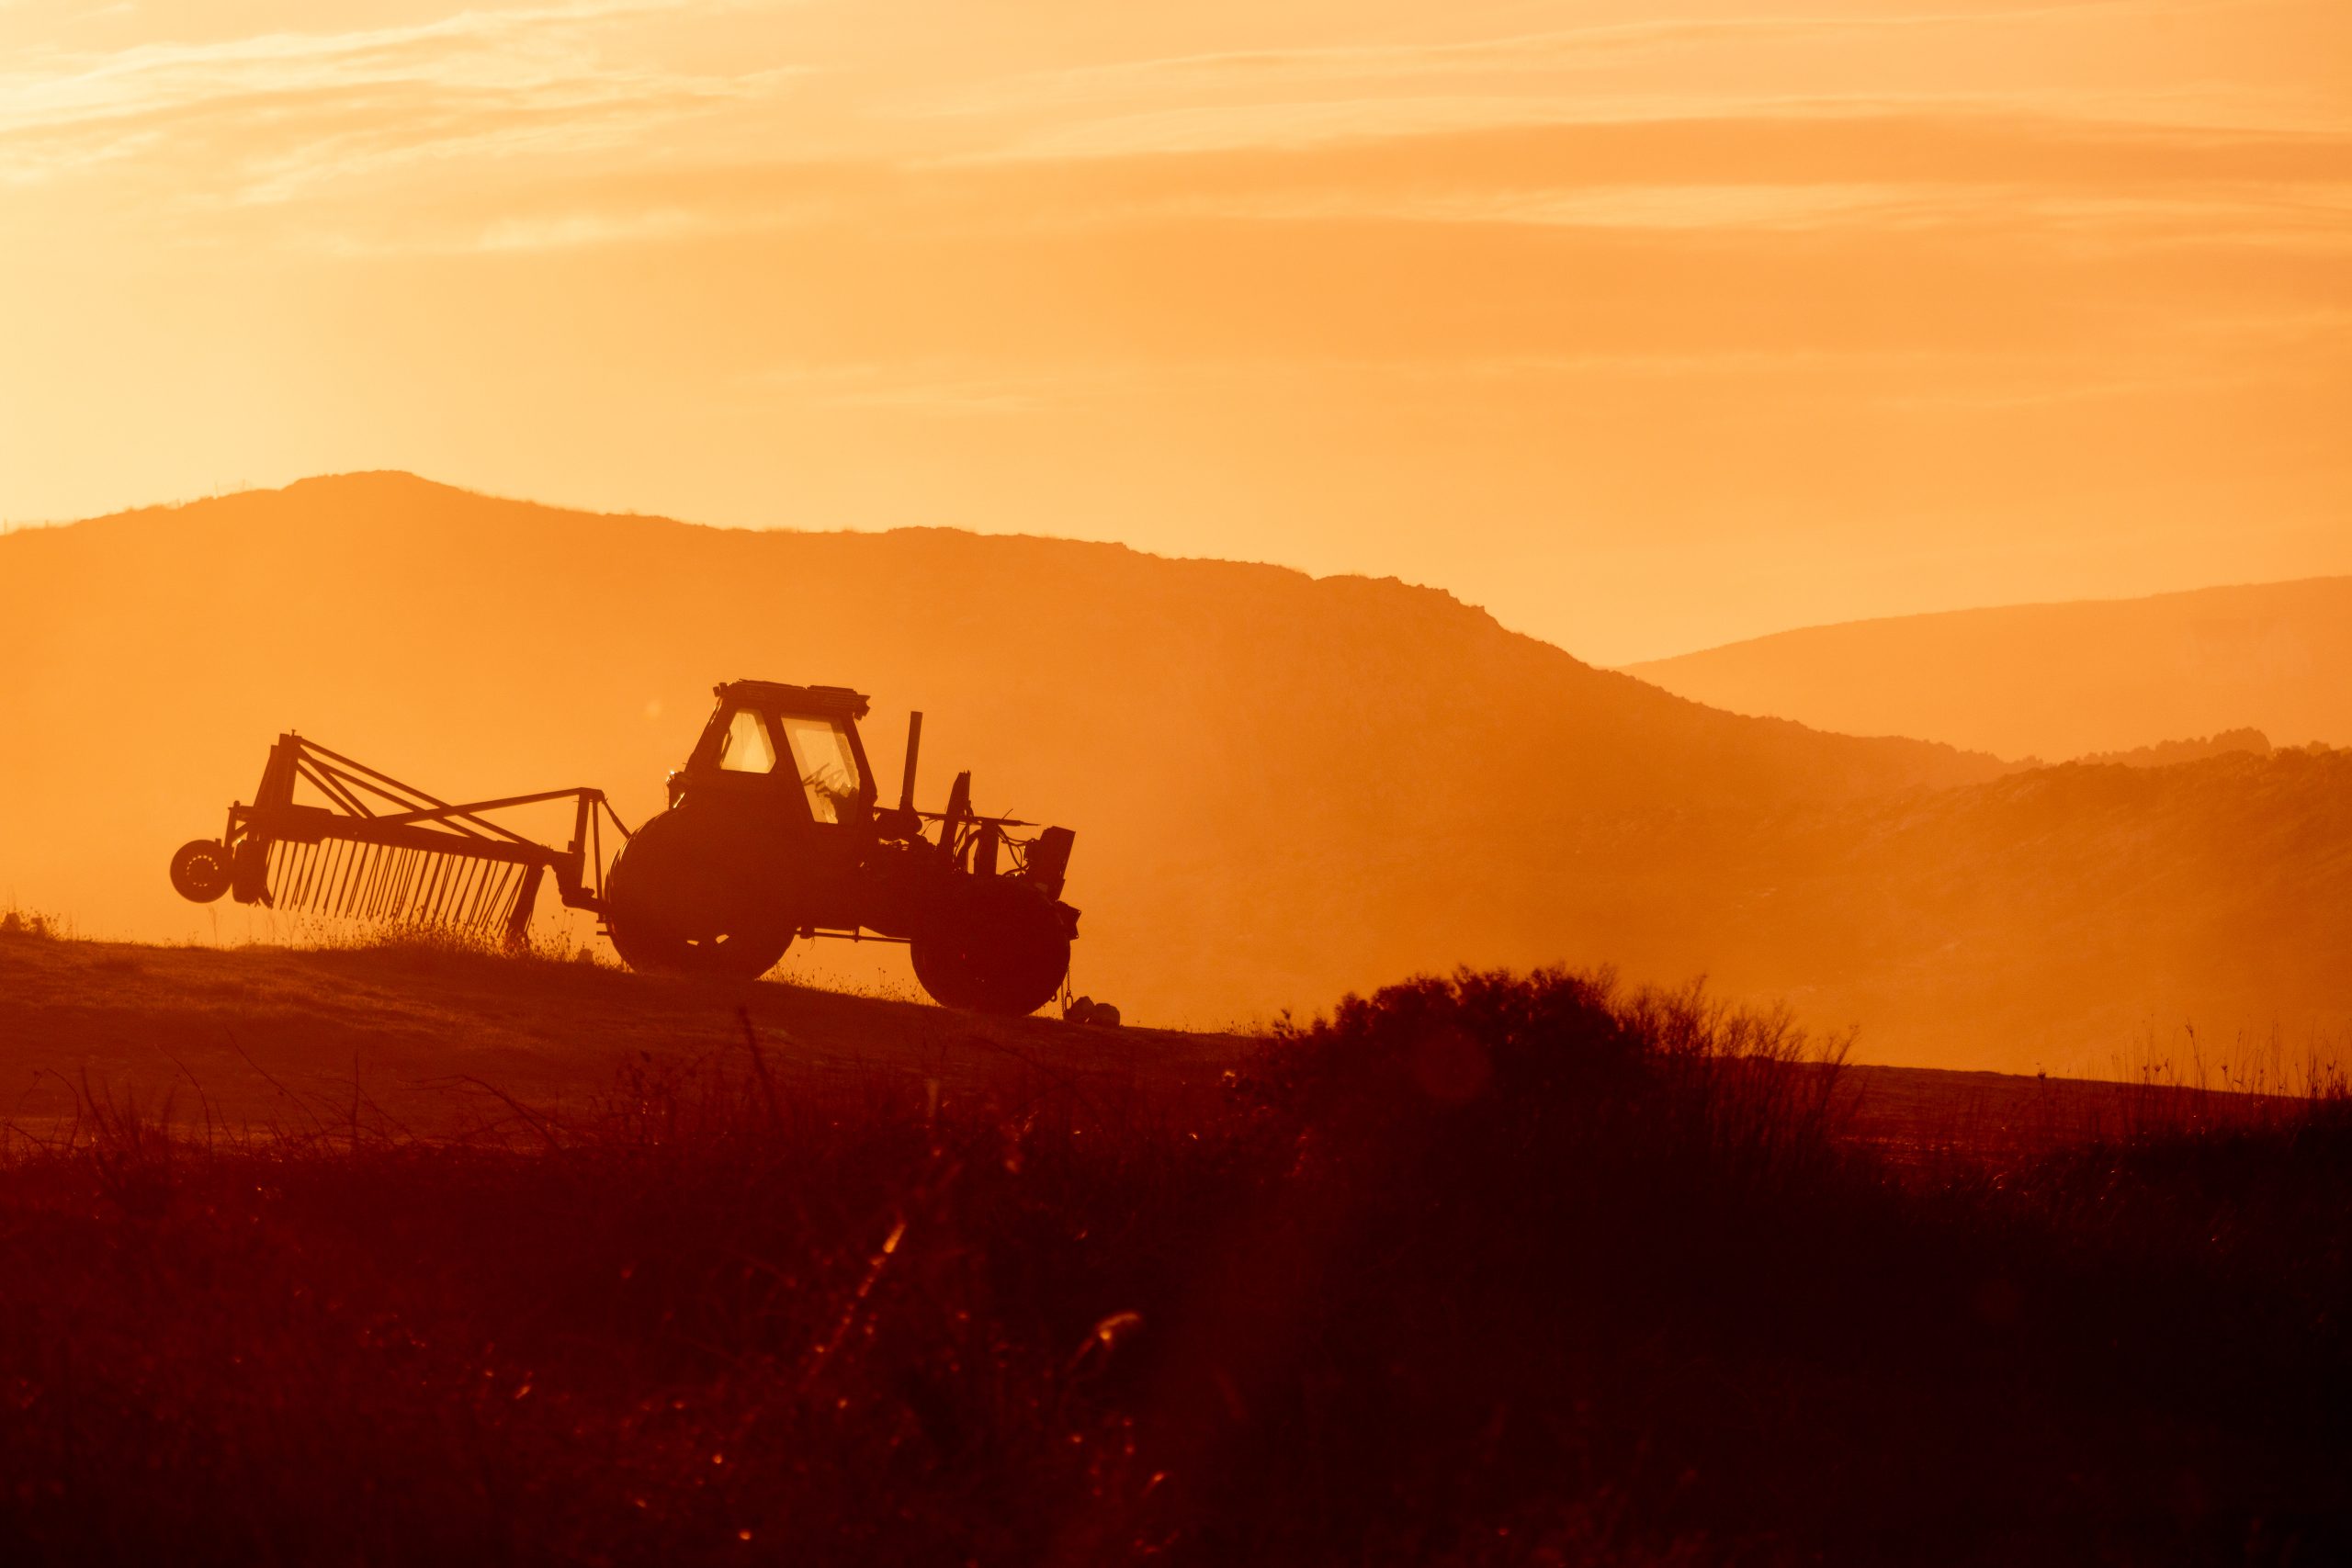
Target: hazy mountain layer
column 2057, row 681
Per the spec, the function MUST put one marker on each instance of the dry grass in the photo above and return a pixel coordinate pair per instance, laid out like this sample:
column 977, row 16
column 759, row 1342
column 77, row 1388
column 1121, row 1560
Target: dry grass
column 32, row 925
column 1485, row 1270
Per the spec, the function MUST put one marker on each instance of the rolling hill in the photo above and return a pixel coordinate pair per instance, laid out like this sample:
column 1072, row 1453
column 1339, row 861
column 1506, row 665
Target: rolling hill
column 2057, row 681
column 1285, row 787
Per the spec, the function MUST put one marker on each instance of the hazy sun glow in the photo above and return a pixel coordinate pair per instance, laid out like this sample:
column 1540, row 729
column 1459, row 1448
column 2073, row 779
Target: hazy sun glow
column 1646, row 328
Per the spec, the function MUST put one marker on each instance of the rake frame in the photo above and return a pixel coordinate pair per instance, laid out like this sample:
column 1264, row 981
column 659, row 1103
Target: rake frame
column 374, row 810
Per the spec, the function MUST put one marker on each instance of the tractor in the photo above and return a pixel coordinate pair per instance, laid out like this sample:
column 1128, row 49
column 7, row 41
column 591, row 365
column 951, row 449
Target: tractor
column 774, row 831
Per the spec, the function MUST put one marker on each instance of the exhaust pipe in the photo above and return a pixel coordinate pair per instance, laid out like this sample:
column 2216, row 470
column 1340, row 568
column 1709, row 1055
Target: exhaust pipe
column 914, row 749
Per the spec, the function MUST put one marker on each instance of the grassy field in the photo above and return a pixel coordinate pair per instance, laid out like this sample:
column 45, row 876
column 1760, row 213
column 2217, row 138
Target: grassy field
column 420, row 1038
column 445, row 1257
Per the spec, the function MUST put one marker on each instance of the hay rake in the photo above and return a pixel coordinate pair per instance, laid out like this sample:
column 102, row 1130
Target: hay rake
column 380, row 850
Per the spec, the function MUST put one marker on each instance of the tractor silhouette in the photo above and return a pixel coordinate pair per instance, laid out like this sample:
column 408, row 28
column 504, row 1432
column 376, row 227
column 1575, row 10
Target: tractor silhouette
column 773, row 832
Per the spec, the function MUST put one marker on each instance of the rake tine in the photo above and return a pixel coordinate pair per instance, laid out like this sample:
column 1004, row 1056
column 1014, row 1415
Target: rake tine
column 440, row 889
column 483, row 881
column 461, row 899
column 503, row 903
column 501, row 895
column 420, row 872
column 420, row 901
column 493, row 897
column 396, row 895
column 513, row 899
column 372, row 889
column 366, row 883
column 453, row 891
column 388, row 877
column 485, row 873
column 485, row 886
column 302, row 876
column 486, row 890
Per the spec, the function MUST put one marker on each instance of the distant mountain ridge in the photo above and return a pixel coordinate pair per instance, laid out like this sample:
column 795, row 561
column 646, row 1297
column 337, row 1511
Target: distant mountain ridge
column 1285, row 787
column 2056, row 680
column 2165, row 753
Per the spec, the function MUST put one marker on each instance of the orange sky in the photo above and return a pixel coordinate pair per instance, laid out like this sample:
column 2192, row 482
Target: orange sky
column 1646, row 326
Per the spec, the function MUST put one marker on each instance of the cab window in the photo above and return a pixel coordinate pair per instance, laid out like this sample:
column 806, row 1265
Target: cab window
column 745, row 748
column 826, row 762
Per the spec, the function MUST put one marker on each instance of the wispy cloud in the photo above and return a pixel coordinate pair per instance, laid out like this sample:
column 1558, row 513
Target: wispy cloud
column 1235, row 98
column 259, row 119
column 512, row 49
column 1541, row 52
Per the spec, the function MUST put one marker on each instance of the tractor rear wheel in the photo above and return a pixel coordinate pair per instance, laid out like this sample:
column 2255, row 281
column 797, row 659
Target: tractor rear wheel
column 683, row 896
column 203, row 869
column 1004, row 949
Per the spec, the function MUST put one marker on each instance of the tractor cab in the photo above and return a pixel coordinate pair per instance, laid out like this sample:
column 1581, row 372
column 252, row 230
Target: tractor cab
column 793, row 748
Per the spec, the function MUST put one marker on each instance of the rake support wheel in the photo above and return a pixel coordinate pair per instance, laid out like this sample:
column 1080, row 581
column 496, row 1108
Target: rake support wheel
column 202, row 870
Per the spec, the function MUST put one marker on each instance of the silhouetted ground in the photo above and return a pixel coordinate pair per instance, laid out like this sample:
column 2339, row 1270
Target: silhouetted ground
column 1497, row 1269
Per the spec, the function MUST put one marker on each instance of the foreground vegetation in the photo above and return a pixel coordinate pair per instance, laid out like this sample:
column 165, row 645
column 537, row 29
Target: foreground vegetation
column 1493, row 1269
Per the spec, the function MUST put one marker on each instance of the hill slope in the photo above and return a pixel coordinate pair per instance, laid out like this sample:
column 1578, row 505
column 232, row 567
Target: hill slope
column 1284, row 787
column 2057, row 681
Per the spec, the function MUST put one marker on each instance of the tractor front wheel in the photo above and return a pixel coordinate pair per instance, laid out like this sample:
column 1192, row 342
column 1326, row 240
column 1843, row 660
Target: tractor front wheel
column 1004, row 950
column 683, row 896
